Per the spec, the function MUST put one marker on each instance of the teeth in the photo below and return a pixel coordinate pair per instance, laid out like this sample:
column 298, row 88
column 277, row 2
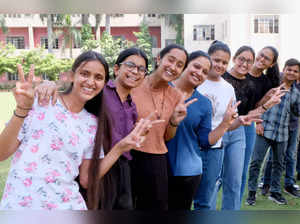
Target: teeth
column 169, row 73
column 133, row 78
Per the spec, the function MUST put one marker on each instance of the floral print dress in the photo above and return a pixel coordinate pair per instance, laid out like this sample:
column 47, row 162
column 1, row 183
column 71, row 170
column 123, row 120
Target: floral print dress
column 53, row 143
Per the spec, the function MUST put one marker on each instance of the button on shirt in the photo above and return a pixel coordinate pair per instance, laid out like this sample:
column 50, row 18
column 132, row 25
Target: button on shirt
column 276, row 120
column 121, row 115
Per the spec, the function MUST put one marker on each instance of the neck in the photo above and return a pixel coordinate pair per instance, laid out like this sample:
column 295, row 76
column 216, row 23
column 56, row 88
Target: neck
column 237, row 75
column 72, row 103
column 213, row 78
column 255, row 71
column 156, row 82
column 122, row 91
column 184, row 86
column 288, row 83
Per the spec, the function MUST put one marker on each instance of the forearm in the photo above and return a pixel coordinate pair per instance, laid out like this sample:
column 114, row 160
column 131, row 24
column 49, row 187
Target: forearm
column 109, row 160
column 217, row 133
column 9, row 136
column 170, row 132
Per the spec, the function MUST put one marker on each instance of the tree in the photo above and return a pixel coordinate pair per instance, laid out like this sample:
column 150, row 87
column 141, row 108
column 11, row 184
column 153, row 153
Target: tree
column 176, row 21
column 69, row 34
column 144, row 41
column 97, row 25
column 2, row 24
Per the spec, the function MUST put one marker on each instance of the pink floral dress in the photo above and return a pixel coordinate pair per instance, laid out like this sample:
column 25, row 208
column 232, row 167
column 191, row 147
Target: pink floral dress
column 54, row 142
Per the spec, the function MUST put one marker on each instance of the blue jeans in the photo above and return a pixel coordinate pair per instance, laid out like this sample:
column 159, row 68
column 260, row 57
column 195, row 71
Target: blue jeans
column 212, row 160
column 298, row 160
column 290, row 161
column 260, row 149
column 250, row 134
column 232, row 170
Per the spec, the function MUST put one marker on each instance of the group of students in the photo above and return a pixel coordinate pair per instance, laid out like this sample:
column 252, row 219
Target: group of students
column 149, row 142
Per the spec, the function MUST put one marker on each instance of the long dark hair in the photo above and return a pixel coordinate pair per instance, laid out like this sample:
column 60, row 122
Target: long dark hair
column 99, row 190
column 218, row 46
column 273, row 72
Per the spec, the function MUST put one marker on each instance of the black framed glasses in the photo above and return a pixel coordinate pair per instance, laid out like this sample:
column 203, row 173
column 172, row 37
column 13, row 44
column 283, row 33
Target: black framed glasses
column 242, row 60
column 130, row 66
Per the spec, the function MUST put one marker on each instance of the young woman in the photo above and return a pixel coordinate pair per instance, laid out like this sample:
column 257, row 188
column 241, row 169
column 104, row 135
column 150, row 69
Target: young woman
column 150, row 173
column 245, row 90
column 51, row 144
column 193, row 133
column 119, row 117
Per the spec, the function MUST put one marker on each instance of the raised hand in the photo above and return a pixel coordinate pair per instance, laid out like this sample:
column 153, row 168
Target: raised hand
column 249, row 118
column 45, row 90
column 231, row 112
column 180, row 110
column 259, row 129
column 24, row 93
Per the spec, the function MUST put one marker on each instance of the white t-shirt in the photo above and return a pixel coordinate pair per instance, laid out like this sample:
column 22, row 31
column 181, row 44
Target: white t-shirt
column 54, row 142
column 220, row 93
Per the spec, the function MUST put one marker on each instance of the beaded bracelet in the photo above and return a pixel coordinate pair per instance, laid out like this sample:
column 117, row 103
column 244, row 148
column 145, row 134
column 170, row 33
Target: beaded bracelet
column 23, row 108
column 19, row 116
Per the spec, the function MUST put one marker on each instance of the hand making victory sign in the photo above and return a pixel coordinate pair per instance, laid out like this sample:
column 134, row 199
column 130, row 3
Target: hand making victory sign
column 180, row 110
column 24, row 92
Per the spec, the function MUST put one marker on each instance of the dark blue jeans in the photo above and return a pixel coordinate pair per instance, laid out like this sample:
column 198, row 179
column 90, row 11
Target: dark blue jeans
column 290, row 161
column 260, row 149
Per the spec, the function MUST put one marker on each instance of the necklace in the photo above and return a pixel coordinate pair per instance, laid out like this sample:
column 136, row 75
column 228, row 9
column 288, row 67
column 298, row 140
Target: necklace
column 64, row 103
column 159, row 113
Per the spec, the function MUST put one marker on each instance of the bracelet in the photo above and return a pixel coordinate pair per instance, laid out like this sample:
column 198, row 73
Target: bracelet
column 263, row 106
column 173, row 125
column 19, row 116
column 23, row 108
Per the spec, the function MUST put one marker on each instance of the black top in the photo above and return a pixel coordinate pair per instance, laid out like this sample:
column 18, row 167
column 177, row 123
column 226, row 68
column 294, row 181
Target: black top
column 245, row 92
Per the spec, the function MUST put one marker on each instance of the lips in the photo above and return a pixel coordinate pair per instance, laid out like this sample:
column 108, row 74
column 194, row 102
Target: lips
column 88, row 90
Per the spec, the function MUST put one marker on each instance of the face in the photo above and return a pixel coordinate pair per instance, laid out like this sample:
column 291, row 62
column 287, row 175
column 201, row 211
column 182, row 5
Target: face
column 197, row 70
column 88, row 80
column 291, row 73
column 220, row 60
column 171, row 65
column 131, row 72
column 264, row 59
column 243, row 62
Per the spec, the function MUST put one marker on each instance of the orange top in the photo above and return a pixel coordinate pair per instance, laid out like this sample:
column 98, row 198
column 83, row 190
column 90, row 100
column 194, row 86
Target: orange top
column 165, row 100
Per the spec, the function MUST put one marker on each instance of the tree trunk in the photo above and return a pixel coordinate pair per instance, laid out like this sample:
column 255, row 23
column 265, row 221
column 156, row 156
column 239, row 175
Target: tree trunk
column 107, row 23
column 97, row 26
column 50, row 33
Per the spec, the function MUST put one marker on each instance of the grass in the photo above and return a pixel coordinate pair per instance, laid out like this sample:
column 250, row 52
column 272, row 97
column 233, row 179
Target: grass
column 7, row 100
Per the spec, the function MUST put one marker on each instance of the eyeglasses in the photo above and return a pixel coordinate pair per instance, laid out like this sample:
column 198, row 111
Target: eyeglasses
column 264, row 56
column 242, row 60
column 131, row 66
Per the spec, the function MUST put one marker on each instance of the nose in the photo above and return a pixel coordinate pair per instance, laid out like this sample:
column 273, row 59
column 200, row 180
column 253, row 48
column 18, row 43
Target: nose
column 90, row 80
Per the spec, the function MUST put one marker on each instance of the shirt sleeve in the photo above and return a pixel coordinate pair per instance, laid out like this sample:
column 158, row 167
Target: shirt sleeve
column 295, row 102
column 204, row 127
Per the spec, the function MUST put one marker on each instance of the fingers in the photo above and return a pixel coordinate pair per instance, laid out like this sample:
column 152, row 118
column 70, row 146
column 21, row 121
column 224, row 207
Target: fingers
column 31, row 73
column 190, row 102
column 183, row 96
column 20, row 73
column 151, row 115
column 157, row 122
column 236, row 105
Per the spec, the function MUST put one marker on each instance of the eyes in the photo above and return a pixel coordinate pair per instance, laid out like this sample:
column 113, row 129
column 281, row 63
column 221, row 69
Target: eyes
column 219, row 60
column 172, row 59
column 86, row 74
column 131, row 66
column 199, row 67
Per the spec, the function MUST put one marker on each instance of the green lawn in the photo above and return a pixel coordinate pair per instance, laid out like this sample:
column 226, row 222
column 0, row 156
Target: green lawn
column 8, row 105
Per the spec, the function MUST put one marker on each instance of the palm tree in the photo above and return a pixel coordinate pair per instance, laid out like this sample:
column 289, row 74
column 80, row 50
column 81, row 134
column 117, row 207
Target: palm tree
column 2, row 24
column 69, row 34
column 176, row 21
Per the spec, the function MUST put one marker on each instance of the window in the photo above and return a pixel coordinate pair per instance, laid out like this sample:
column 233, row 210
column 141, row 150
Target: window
column 154, row 41
column 170, row 41
column 18, row 42
column 44, row 42
column 204, row 32
column 12, row 77
column 266, row 24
